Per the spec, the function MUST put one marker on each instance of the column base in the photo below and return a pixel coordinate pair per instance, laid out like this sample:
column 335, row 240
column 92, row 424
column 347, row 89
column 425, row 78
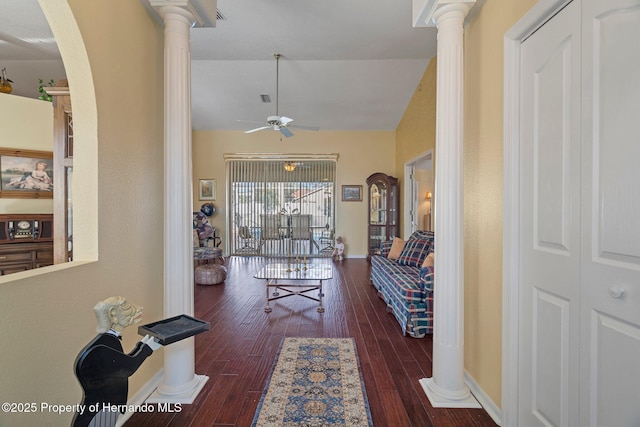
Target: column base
column 440, row 398
column 184, row 396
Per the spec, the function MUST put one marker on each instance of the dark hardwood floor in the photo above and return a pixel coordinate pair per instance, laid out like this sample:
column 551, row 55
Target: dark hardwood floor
column 237, row 354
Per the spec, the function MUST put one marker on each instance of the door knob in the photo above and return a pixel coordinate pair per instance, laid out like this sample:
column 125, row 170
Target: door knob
column 616, row 291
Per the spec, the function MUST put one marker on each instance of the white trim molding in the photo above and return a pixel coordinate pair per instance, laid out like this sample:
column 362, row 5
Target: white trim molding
column 513, row 39
column 280, row 156
column 483, row 398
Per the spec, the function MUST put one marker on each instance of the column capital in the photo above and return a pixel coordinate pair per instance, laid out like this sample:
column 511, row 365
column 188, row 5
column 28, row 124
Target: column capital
column 427, row 12
column 202, row 13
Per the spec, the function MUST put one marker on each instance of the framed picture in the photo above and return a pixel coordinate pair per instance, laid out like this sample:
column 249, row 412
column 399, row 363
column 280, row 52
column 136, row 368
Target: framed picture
column 26, row 174
column 352, row 193
column 207, row 189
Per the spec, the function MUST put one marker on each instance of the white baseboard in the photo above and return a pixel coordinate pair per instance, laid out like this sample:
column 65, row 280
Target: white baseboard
column 141, row 396
column 492, row 409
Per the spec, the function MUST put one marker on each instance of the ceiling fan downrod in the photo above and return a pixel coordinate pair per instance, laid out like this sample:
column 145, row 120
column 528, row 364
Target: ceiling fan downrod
column 277, row 56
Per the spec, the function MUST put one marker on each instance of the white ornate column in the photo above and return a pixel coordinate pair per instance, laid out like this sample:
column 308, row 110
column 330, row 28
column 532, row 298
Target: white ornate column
column 447, row 387
column 179, row 383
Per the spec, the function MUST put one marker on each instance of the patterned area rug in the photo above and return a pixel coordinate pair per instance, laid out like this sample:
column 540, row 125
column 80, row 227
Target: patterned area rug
column 315, row 382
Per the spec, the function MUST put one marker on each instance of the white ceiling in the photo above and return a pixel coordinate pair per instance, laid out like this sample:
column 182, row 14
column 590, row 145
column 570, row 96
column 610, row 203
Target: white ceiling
column 346, row 65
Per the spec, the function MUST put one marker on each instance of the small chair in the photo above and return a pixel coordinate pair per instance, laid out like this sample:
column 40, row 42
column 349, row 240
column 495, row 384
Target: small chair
column 206, row 232
column 326, row 240
column 205, row 242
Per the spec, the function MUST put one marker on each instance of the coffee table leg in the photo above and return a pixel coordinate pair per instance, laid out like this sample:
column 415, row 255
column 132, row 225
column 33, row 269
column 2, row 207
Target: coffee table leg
column 320, row 295
column 267, row 309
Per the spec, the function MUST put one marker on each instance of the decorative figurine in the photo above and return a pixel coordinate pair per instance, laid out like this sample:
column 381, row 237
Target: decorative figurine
column 103, row 368
column 338, row 250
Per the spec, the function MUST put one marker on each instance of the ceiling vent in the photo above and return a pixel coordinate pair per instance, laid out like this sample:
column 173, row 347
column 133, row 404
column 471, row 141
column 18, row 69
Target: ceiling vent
column 265, row 98
column 220, row 16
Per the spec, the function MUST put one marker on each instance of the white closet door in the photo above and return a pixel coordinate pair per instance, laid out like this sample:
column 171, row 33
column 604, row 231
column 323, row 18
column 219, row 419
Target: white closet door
column 610, row 322
column 550, row 223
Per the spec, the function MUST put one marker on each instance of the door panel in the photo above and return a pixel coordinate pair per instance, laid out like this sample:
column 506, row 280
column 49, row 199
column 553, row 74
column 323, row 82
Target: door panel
column 614, row 371
column 610, row 322
column 550, row 367
column 550, row 223
column 616, row 136
column 552, row 150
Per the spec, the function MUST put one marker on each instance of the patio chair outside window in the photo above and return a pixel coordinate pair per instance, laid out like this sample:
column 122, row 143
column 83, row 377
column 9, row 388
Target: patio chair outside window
column 246, row 240
column 301, row 231
column 270, row 231
column 263, row 197
column 326, row 240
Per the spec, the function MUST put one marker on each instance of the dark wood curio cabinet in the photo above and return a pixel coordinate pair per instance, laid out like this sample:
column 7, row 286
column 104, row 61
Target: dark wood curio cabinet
column 384, row 211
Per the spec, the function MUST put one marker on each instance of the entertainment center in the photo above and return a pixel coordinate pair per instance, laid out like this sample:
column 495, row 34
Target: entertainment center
column 26, row 242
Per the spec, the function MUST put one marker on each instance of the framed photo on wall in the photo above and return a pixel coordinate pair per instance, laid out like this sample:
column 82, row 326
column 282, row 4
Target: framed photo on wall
column 352, row 193
column 26, row 174
column 207, row 189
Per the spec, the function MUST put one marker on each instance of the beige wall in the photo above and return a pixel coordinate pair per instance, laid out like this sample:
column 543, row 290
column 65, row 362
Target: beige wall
column 46, row 320
column 416, row 132
column 483, row 190
column 360, row 155
column 27, row 124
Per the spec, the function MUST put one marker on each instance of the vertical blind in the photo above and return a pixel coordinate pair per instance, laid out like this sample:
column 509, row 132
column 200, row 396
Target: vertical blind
column 281, row 207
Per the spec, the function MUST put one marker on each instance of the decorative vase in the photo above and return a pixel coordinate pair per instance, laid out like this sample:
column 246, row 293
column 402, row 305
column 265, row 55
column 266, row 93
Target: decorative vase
column 5, row 83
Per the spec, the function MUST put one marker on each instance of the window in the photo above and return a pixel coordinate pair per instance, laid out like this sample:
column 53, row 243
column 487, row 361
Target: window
column 281, row 207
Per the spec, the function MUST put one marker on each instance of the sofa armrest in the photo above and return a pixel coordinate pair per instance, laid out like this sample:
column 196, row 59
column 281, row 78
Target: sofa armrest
column 426, row 278
column 385, row 248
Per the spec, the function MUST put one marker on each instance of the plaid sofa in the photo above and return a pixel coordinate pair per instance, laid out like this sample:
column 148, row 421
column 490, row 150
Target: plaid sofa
column 405, row 285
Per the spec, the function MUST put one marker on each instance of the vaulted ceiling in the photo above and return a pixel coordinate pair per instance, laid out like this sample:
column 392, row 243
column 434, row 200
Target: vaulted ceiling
column 346, row 65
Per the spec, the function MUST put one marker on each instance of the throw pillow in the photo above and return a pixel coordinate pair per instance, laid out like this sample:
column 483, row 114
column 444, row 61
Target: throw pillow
column 422, row 234
column 414, row 252
column 428, row 261
column 396, row 248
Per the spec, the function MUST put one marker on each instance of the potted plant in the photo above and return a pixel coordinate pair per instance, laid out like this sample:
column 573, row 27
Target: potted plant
column 43, row 93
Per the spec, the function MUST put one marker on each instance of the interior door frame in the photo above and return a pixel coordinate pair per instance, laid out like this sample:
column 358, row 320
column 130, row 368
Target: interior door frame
column 527, row 25
column 411, row 197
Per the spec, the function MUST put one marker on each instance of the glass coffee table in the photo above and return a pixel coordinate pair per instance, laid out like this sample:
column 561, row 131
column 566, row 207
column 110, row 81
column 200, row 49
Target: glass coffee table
column 297, row 272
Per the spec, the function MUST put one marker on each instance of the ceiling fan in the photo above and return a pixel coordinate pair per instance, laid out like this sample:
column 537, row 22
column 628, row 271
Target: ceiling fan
column 290, row 166
column 277, row 122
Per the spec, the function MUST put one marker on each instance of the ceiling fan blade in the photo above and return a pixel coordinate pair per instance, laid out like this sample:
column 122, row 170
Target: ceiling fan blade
column 286, row 132
column 249, row 121
column 304, row 127
column 257, row 129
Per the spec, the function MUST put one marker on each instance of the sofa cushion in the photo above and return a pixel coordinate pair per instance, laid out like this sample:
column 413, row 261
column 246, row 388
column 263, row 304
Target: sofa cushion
column 396, row 248
column 414, row 252
column 400, row 281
